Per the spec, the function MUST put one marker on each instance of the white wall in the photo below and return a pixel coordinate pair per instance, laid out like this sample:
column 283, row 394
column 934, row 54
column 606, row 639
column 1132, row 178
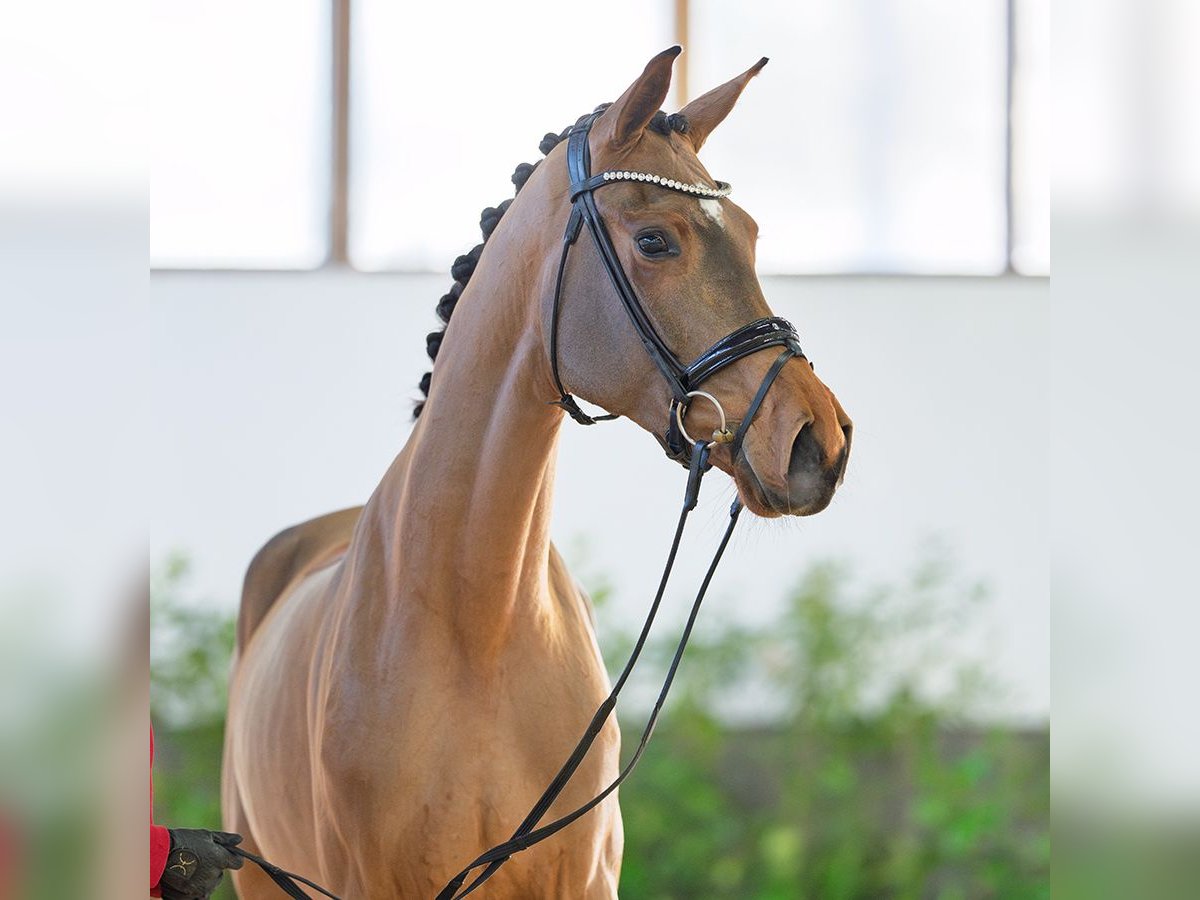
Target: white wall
column 281, row 396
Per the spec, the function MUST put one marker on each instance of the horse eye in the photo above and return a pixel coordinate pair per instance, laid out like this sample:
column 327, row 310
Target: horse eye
column 653, row 244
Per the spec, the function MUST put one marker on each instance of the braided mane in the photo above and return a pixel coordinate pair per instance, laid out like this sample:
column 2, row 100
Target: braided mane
column 464, row 266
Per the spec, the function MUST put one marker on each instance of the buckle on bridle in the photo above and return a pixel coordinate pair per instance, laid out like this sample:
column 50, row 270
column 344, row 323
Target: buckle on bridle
column 567, row 402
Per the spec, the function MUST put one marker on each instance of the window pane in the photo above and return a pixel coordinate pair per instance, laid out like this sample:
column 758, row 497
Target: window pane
column 1031, row 149
column 241, row 133
column 1126, row 135
column 875, row 139
column 449, row 97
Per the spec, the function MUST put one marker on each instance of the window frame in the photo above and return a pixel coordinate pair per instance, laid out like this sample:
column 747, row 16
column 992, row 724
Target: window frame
column 337, row 255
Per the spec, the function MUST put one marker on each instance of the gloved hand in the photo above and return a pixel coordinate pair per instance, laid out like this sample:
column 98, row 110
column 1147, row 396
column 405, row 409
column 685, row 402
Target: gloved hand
column 197, row 860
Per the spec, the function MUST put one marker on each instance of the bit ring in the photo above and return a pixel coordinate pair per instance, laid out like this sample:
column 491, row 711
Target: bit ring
column 721, row 436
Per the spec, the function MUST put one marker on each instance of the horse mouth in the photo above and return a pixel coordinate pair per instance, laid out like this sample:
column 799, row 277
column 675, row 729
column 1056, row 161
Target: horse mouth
column 812, row 497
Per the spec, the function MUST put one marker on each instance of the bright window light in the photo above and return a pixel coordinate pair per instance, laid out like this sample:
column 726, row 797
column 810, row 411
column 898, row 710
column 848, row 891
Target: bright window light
column 1031, row 139
column 875, row 139
column 448, row 97
column 240, row 156
column 873, row 142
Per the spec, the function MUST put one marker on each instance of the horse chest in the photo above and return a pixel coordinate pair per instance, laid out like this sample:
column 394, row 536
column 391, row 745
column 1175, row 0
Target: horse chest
column 445, row 765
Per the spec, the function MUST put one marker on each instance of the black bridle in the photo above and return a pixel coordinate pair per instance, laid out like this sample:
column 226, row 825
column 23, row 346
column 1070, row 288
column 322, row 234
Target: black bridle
column 684, row 381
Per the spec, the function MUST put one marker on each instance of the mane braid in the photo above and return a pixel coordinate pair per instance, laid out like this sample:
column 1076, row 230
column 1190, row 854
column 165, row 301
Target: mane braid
column 464, row 266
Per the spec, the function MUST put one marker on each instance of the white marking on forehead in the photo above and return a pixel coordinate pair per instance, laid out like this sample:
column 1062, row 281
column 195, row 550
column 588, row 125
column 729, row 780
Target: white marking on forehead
column 712, row 209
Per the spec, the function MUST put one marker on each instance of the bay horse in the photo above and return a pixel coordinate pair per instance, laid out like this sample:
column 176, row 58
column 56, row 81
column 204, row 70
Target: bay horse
column 409, row 674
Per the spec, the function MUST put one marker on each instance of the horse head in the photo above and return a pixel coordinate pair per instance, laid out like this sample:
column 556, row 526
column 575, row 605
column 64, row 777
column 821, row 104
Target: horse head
column 690, row 259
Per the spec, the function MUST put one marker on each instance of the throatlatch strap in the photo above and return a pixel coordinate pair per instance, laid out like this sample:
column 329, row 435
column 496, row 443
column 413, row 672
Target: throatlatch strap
column 526, row 834
column 565, row 400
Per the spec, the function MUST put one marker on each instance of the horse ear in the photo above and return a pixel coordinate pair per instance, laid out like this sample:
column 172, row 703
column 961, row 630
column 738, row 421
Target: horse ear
column 709, row 110
column 636, row 107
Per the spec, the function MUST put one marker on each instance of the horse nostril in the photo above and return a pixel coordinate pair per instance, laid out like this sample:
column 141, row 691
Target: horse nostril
column 806, row 452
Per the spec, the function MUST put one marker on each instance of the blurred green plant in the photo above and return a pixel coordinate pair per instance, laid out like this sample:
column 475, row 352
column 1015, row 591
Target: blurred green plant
column 850, row 775
column 859, row 780
column 191, row 645
column 51, row 771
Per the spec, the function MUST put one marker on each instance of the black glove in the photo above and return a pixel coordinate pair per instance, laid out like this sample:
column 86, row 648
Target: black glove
column 197, row 860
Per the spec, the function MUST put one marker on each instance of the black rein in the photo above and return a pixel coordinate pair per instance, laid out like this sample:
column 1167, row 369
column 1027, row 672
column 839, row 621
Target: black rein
column 682, row 380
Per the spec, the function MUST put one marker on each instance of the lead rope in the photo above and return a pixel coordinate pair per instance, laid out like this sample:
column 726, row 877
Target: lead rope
column 526, row 835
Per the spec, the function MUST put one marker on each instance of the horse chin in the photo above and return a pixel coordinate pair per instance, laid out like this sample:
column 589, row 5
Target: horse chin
column 771, row 503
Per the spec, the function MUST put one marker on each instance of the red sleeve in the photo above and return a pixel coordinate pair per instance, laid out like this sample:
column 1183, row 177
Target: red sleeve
column 160, row 841
column 160, row 846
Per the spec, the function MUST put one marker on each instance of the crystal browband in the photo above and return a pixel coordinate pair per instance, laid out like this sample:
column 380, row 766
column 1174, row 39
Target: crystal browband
column 698, row 190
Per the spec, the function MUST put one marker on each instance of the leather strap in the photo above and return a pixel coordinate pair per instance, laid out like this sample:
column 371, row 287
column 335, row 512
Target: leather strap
column 772, row 373
column 750, row 338
column 527, row 834
column 565, row 400
column 287, row 881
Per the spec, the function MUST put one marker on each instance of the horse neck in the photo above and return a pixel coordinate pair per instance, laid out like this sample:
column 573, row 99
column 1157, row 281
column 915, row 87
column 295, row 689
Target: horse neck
column 462, row 518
